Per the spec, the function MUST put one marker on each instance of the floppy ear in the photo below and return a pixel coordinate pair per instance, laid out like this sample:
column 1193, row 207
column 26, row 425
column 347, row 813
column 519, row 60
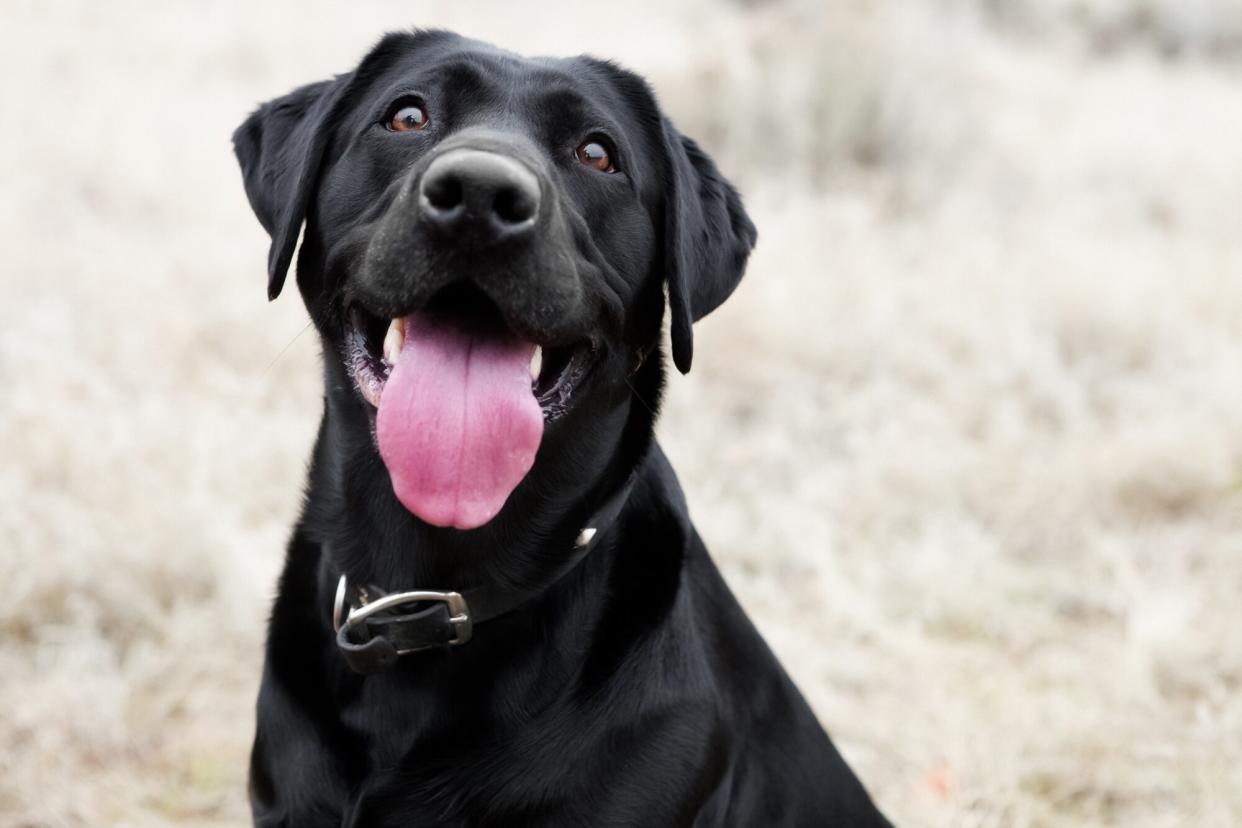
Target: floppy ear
column 280, row 147
column 708, row 238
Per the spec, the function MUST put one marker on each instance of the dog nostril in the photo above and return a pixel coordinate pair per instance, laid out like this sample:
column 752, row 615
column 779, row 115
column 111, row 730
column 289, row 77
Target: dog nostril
column 514, row 205
column 443, row 192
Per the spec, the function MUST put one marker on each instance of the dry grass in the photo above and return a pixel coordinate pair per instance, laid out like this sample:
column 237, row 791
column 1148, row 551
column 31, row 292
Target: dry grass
column 968, row 441
column 1171, row 28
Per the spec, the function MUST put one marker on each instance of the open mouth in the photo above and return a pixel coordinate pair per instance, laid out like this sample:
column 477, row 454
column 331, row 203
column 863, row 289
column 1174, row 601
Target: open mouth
column 374, row 344
column 460, row 402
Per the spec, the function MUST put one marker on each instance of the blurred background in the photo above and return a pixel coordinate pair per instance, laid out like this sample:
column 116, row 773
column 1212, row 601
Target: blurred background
column 967, row 442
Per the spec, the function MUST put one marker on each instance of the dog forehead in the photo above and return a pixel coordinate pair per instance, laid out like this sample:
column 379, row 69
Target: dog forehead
column 476, row 73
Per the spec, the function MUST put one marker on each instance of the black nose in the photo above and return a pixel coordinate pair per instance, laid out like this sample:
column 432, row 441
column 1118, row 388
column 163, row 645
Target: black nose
column 492, row 196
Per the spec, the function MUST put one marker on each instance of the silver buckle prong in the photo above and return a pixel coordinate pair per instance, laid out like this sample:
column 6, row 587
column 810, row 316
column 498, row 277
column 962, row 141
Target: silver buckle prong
column 338, row 605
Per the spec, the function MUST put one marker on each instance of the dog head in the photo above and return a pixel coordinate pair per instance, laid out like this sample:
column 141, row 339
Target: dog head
column 486, row 244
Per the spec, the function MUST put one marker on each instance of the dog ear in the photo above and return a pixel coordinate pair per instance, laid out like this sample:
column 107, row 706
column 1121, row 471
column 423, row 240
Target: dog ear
column 280, row 148
column 708, row 238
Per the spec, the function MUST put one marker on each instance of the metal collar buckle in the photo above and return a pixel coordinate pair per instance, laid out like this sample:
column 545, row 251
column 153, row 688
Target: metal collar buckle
column 375, row 646
column 459, row 613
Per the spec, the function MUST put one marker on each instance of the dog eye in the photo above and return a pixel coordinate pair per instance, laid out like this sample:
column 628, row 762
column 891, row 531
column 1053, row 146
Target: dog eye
column 408, row 116
column 595, row 154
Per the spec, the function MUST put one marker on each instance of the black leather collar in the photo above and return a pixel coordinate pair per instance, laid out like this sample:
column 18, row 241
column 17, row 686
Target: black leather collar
column 374, row 628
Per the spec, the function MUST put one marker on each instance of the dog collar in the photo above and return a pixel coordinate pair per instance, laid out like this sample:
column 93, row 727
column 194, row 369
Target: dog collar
column 374, row 628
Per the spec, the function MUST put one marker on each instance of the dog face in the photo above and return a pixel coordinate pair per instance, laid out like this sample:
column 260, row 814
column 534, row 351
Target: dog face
column 487, row 243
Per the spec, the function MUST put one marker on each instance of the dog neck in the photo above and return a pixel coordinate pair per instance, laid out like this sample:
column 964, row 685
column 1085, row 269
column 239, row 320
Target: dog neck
column 373, row 539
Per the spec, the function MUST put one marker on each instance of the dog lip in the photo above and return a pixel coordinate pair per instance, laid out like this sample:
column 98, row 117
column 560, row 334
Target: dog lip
column 557, row 397
column 366, row 366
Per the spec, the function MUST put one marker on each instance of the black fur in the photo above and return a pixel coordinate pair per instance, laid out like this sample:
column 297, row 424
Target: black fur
column 632, row 692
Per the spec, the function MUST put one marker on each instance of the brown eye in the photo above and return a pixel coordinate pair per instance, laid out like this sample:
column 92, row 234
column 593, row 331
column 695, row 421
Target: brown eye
column 407, row 118
column 594, row 154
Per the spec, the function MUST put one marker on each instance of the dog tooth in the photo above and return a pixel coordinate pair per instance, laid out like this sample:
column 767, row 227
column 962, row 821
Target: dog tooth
column 393, row 340
column 536, row 362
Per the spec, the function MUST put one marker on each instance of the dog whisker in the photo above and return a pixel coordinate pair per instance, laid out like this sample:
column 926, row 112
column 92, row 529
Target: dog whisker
column 285, row 349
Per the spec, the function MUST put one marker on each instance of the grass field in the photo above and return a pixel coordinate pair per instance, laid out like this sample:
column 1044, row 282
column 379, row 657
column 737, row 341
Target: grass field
column 967, row 442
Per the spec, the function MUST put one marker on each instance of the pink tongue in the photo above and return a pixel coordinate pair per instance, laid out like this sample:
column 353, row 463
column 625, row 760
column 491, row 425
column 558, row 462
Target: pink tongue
column 458, row 424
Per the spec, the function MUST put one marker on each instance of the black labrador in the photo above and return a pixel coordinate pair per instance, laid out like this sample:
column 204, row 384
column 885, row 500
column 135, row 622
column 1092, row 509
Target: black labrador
column 495, row 610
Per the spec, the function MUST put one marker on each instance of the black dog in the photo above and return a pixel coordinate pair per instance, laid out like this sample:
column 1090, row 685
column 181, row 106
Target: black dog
column 495, row 610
